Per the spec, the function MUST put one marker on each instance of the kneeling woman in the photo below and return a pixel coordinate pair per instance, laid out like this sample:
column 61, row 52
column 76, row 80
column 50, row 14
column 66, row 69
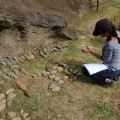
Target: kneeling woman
column 110, row 53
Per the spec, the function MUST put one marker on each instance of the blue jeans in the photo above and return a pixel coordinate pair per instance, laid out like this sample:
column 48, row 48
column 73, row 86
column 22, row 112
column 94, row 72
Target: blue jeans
column 101, row 76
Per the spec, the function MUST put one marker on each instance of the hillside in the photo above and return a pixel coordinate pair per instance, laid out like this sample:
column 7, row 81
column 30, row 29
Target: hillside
column 47, row 83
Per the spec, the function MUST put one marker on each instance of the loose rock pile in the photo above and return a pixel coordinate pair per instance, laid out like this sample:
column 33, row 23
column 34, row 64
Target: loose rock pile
column 16, row 116
column 59, row 73
column 10, row 70
column 6, row 98
column 50, row 50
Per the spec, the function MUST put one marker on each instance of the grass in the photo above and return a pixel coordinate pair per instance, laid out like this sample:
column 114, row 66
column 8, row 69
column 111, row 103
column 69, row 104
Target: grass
column 77, row 100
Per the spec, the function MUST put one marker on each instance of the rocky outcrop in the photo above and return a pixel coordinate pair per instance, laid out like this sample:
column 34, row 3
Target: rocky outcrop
column 25, row 25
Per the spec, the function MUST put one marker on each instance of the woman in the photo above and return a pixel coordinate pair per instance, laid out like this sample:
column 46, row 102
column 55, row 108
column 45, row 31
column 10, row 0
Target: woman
column 110, row 53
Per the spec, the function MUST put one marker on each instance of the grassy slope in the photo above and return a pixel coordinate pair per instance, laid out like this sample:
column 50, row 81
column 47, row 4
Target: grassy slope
column 77, row 100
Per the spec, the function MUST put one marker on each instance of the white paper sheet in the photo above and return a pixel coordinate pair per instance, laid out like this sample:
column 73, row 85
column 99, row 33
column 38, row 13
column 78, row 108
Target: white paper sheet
column 95, row 67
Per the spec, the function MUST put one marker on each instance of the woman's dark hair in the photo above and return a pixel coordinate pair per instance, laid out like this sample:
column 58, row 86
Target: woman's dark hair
column 104, row 26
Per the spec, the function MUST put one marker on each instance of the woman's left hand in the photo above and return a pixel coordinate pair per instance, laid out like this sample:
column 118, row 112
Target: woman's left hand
column 87, row 50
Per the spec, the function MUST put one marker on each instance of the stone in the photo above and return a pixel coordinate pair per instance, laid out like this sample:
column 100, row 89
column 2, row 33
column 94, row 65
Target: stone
column 1, row 82
column 60, row 69
column 15, row 71
column 56, row 88
column 13, row 75
column 4, row 63
column 57, row 79
column 17, row 118
column 42, row 54
column 5, row 69
column 52, row 86
column 2, row 96
column 10, row 91
column 70, row 70
column 61, row 82
column 45, row 74
column 65, row 78
column 11, row 115
column 30, row 57
column 5, row 77
column 22, row 57
column 79, row 74
column 54, row 72
column 11, row 96
column 21, row 60
column 23, row 71
column 27, row 119
column 9, row 103
column 54, row 67
column 48, row 69
column 2, row 107
column 3, row 101
column 52, row 76
column 1, row 73
column 24, row 115
column 14, row 66
column 62, row 64
column 16, row 59
column 75, row 72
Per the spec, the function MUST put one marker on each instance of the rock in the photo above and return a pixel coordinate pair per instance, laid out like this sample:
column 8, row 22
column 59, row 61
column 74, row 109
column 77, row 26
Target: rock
column 5, row 77
column 53, row 72
column 9, row 103
column 1, row 82
column 15, row 71
column 57, row 79
column 65, row 78
column 42, row 54
column 56, row 89
column 62, row 64
column 14, row 66
column 4, row 63
column 11, row 96
column 79, row 74
column 17, row 118
column 60, row 69
column 45, row 74
column 50, row 21
column 15, row 59
column 24, row 115
column 5, row 69
column 23, row 71
column 9, row 91
column 48, row 69
column 61, row 82
column 52, row 76
column 52, row 86
column 54, row 67
column 75, row 72
column 3, row 101
column 30, row 57
column 2, row 107
column 2, row 96
column 11, row 115
column 71, row 70
column 27, row 119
